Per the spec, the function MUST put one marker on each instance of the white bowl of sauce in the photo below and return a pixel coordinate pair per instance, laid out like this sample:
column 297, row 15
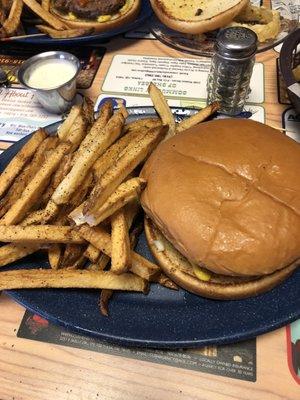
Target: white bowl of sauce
column 52, row 77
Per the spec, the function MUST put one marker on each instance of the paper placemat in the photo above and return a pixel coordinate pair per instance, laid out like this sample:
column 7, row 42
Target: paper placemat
column 183, row 78
column 21, row 114
column 236, row 361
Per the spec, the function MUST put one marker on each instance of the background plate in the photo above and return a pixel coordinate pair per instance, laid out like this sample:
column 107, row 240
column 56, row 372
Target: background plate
column 164, row 318
column 205, row 46
column 145, row 13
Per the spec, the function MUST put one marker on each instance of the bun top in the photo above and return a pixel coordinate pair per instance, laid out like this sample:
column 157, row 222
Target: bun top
column 226, row 194
column 194, row 16
column 195, row 10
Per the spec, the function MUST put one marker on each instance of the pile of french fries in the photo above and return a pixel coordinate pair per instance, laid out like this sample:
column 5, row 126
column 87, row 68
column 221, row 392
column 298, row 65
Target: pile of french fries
column 11, row 12
column 75, row 195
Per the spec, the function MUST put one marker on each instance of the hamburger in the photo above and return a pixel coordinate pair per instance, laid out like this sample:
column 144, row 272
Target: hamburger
column 194, row 17
column 223, row 208
column 98, row 15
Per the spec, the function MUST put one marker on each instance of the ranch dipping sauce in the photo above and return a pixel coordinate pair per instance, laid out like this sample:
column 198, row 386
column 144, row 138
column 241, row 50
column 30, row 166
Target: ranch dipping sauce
column 50, row 74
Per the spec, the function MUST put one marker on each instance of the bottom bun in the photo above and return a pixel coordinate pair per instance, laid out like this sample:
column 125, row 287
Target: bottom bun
column 222, row 287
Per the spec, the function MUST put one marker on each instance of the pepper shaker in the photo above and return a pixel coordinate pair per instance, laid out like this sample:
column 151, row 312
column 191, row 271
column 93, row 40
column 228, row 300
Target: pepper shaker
column 231, row 69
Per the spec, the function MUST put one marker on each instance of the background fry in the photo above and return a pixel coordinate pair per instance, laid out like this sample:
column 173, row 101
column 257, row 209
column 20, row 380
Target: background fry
column 20, row 159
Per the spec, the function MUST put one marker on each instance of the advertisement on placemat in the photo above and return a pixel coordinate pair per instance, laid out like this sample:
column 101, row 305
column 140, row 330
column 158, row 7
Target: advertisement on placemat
column 234, row 361
column 21, row 114
column 12, row 57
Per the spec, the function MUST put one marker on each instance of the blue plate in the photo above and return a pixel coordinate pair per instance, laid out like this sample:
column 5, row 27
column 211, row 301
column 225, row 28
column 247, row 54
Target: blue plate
column 145, row 13
column 164, row 318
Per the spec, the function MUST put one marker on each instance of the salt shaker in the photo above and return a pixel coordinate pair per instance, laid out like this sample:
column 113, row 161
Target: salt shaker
column 231, row 69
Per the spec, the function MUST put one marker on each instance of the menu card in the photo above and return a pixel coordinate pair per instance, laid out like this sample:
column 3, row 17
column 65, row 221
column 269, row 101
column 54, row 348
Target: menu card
column 183, row 78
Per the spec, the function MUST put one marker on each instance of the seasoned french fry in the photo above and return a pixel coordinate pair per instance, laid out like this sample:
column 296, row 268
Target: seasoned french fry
column 62, row 170
column 105, row 296
column 46, row 4
column 49, row 278
column 163, row 280
column 88, row 111
column 131, row 211
column 78, row 264
column 77, row 132
column 103, row 261
column 124, row 193
column 199, row 117
column 26, row 175
column 81, row 193
column 134, row 234
column 162, row 108
column 142, row 123
column 98, row 237
column 67, row 124
column 131, row 157
column 11, row 24
column 39, row 234
column 41, row 217
column 54, row 255
column 33, row 190
column 14, row 252
column 102, row 240
column 2, row 19
column 66, row 33
column 45, row 15
column 92, row 253
column 112, row 154
column 120, row 243
column 104, row 116
column 77, row 124
column 21, row 158
column 142, row 267
column 87, row 157
column 72, row 253
column 92, row 267
column 122, row 109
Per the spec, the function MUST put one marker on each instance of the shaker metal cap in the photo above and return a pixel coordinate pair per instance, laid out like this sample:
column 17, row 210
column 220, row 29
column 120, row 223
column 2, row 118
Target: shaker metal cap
column 236, row 42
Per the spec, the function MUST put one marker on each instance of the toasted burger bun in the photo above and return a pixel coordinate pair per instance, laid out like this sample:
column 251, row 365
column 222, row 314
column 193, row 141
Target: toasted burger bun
column 226, row 194
column 129, row 14
column 222, row 287
column 194, row 17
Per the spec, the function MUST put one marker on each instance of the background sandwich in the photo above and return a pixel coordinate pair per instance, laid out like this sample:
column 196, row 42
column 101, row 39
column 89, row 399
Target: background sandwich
column 97, row 15
column 190, row 16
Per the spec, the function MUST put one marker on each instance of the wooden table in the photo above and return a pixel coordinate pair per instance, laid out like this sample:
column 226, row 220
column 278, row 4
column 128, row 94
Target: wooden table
column 33, row 370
